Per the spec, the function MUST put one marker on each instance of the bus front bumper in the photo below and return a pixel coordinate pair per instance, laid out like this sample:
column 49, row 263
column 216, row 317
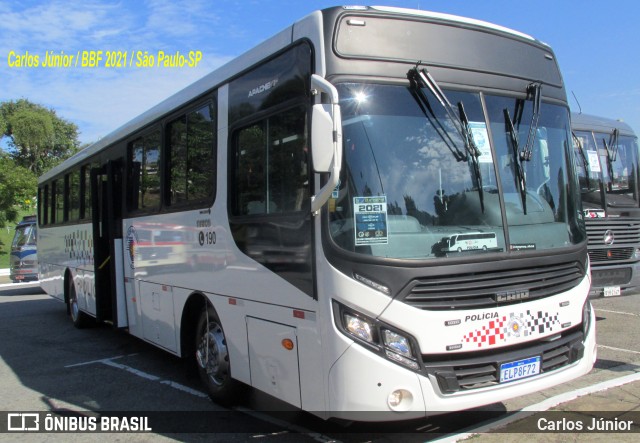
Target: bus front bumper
column 366, row 387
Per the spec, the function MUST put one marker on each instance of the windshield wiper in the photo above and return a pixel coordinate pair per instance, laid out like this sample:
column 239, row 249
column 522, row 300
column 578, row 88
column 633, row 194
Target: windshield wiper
column 613, row 143
column 423, row 79
column 611, row 148
column 585, row 161
column 470, row 145
column 534, row 92
column 420, row 79
column 429, row 113
column 519, row 175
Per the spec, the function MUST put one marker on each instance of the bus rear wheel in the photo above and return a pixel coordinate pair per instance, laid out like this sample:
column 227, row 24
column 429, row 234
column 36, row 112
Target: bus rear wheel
column 212, row 359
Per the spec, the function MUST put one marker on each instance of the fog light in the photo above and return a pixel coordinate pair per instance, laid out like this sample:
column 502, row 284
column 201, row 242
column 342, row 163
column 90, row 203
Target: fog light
column 400, row 400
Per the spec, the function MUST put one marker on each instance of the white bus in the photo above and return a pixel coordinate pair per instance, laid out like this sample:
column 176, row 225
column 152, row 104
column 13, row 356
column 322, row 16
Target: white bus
column 324, row 165
column 471, row 241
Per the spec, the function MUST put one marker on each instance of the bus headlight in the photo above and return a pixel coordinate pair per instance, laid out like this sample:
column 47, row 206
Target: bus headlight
column 359, row 327
column 382, row 339
column 398, row 348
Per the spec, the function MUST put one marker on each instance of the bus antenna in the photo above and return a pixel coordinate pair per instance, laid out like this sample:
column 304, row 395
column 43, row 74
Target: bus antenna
column 579, row 107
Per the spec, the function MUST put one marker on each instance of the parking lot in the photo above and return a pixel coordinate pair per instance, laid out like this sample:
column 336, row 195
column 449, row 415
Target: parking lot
column 46, row 364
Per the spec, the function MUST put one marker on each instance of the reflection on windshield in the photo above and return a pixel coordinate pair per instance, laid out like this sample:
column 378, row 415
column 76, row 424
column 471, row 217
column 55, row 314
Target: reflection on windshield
column 404, row 193
column 25, row 236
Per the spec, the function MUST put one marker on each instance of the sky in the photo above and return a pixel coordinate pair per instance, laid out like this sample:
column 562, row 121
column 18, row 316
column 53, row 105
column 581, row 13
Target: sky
column 596, row 42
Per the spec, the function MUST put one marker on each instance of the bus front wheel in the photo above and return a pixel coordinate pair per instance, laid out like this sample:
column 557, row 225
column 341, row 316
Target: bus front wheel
column 212, row 359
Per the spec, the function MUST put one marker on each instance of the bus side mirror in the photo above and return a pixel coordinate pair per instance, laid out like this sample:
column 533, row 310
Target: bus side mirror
column 322, row 138
column 326, row 140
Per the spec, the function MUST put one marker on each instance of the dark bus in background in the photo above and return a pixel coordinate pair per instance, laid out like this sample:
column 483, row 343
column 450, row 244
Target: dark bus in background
column 607, row 165
column 23, row 261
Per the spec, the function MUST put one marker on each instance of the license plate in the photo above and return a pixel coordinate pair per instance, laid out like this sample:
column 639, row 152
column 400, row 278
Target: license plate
column 611, row 291
column 19, row 277
column 516, row 370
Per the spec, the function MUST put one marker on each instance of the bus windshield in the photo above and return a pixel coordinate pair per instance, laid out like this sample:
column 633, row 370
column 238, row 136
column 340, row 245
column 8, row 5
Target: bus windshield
column 409, row 187
column 611, row 165
column 25, row 236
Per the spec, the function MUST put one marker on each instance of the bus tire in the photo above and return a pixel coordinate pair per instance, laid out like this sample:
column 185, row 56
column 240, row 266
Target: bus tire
column 212, row 359
column 80, row 319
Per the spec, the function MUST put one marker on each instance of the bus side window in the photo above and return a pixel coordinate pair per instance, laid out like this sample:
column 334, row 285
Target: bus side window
column 144, row 173
column 74, row 195
column 57, row 199
column 191, row 157
column 85, row 187
column 271, row 166
column 42, row 205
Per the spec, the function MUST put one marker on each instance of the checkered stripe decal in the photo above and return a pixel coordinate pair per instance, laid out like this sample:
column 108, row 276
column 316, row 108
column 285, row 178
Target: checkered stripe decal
column 78, row 245
column 515, row 325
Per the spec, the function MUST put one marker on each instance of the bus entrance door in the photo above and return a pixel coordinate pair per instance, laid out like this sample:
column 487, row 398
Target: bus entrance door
column 106, row 191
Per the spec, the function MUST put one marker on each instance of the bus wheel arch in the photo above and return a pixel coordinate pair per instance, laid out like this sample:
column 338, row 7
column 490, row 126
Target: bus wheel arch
column 188, row 324
column 206, row 347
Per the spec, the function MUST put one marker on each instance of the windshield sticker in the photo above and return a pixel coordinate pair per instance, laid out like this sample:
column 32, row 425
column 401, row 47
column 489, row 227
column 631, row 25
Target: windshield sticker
column 470, row 241
column 481, row 138
column 370, row 215
column 594, row 162
column 522, row 246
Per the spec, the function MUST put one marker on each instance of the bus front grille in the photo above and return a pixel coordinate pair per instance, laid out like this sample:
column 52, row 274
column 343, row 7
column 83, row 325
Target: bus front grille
column 476, row 290
column 603, row 255
column 625, row 230
column 466, row 373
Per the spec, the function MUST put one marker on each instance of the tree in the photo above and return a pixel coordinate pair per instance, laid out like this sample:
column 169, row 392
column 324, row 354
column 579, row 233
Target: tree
column 18, row 188
column 17, row 191
column 37, row 138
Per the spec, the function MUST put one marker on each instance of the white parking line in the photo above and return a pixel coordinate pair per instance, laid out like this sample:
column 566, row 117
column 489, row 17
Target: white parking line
column 618, row 349
column 543, row 406
column 109, row 362
column 92, row 362
column 184, row 388
column 264, row 417
column 131, row 370
column 618, row 312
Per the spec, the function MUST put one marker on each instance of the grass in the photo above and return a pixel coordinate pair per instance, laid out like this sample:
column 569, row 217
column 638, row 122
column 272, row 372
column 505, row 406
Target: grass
column 6, row 237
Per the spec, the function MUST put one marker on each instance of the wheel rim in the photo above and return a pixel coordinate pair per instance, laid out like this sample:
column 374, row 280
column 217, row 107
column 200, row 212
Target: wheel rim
column 212, row 354
column 73, row 301
column 74, row 310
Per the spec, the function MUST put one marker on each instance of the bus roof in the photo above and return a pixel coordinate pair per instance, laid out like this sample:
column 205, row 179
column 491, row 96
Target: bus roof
column 27, row 220
column 588, row 122
column 456, row 18
column 244, row 62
